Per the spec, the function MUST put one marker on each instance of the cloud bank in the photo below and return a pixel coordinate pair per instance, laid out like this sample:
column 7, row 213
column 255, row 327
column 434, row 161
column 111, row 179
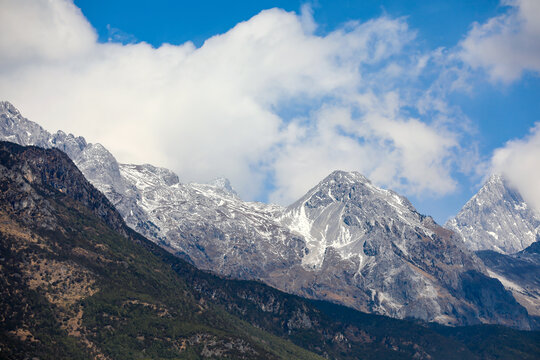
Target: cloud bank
column 269, row 104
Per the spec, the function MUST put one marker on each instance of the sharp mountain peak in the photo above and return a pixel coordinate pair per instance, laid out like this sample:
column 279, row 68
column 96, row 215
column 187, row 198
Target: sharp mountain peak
column 346, row 240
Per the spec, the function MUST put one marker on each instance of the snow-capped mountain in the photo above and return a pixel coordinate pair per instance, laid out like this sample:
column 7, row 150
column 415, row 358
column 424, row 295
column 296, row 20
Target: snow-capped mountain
column 346, row 240
column 497, row 218
column 206, row 223
column 352, row 199
column 368, row 246
column 210, row 225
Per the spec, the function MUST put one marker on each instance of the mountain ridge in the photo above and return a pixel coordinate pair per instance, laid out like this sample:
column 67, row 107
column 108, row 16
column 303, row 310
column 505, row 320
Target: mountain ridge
column 121, row 300
column 217, row 231
column 395, row 260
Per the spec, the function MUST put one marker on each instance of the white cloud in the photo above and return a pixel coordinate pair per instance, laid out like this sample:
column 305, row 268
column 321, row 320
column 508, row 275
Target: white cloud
column 519, row 162
column 306, row 18
column 41, row 31
column 266, row 98
column 506, row 45
column 399, row 152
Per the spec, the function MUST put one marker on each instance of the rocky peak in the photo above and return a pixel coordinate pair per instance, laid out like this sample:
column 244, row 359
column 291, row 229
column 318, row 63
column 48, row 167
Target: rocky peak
column 342, row 210
column 497, row 218
column 15, row 128
column 150, row 175
column 68, row 143
column 6, row 106
column 345, row 240
column 343, row 189
column 341, row 176
column 100, row 166
column 53, row 169
column 224, row 185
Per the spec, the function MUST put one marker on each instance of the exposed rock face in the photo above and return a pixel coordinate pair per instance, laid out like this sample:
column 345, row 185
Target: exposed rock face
column 519, row 273
column 368, row 246
column 346, row 241
column 60, row 175
column 212, row 226
column 497, row 218
column 19, row 130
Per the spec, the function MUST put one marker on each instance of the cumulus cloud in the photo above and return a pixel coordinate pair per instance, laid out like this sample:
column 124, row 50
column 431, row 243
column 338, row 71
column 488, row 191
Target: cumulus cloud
column 518, row 161
column 42, row 31
column 371, row 136
column 506, row 45
column 269, row 101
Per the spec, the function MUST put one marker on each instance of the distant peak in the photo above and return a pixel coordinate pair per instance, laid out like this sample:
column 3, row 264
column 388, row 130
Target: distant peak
column 498, row 181
column 99, row 147
column 223, row 184
column 350, row 186
column 164, row 174
column 496, row 218
column 495, row 179
column 346, row 176
column 6, row 105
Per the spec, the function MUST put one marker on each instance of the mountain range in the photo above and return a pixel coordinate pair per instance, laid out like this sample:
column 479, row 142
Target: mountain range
column 77, row 283
column 346, row 241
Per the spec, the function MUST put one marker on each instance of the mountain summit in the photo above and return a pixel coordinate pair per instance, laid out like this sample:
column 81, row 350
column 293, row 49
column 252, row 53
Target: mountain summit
column 346, row 240
column 497, row 218
column 369, row 248
column 326, row 215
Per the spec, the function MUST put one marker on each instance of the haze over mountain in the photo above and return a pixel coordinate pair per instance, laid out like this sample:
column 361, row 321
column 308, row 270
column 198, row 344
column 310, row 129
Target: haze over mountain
column 346, row 240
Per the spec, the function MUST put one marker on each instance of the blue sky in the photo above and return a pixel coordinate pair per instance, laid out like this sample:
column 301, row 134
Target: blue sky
column 461, row 78
column 440, row 23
